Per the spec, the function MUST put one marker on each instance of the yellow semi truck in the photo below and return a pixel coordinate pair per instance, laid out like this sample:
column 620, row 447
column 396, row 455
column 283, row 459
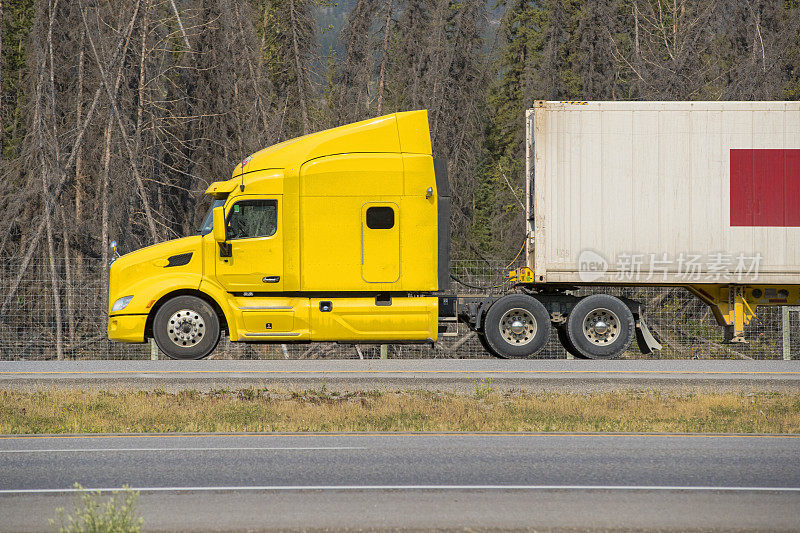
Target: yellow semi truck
column 343, row 235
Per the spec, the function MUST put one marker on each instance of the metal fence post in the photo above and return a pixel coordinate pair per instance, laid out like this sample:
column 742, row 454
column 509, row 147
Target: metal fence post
column 785, row 328
column 153, row 350
column 384, row 351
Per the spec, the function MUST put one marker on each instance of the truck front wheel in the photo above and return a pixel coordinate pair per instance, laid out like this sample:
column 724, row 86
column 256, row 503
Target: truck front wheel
column 489, row 349
column 516, row 325
column 186, row 327
column 600, row 327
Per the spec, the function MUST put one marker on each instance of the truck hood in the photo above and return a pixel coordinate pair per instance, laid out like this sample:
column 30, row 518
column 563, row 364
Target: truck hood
column 147, row 263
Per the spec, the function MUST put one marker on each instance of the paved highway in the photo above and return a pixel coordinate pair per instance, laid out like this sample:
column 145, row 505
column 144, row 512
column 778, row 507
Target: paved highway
column 449, row 374
column 217, row 482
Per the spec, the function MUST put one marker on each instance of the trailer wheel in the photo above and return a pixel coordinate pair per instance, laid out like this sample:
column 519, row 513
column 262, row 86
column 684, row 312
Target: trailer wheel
column 186, row 327
column 517, row 325
column 600, row 327
column 567, row 344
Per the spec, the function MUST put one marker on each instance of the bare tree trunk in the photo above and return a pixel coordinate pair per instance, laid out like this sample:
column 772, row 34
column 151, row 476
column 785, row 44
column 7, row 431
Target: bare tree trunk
column 636, row 29
column 2, row 139
column 344, row 83
column 52, row 16
column 264, row 31
column 140, row 88
column 384, row 56
column 64, row 233
column 34, row 241
column 18, row 103
column 79, row 157
column 259, row 103
column 112, row 97
column 301, row 90
column 637, row 58
column 51, row 254
column 51, row 260
column 45, row 172
column 68, row 278
column 104, row 208
column 180, row 24
column 63, row 178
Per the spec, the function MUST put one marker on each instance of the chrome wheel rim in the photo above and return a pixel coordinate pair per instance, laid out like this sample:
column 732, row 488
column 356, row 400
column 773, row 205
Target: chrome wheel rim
column 517, row 326
column 601, row 327
column 186, row 328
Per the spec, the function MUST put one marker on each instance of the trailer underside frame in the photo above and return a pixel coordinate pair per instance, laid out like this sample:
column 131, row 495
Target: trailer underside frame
column 472, row 310
column 733, row 306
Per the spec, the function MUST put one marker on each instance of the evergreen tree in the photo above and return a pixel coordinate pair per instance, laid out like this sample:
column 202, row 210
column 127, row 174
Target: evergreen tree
column 17, row 19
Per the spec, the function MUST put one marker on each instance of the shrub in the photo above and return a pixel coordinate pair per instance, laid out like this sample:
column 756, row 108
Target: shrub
column 92, row 515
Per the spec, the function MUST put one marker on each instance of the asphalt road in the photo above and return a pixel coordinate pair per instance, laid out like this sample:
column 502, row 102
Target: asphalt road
column 373, row 481
column 437, row 374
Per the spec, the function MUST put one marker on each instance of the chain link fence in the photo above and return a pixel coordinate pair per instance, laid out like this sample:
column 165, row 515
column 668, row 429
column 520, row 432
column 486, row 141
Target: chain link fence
column 29, row 325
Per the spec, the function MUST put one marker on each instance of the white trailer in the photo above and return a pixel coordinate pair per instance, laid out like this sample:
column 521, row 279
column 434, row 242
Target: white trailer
column 650, row 182
column 702, row 195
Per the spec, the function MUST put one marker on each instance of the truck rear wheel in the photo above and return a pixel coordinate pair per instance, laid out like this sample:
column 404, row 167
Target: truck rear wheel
column 186, row 327
column 516, row 325
column 600, row 327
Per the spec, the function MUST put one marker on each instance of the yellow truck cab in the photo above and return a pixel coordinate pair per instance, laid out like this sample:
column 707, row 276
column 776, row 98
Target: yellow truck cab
column 341, row 235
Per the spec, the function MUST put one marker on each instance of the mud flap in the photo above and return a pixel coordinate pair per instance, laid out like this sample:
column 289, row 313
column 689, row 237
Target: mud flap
column 647, row 343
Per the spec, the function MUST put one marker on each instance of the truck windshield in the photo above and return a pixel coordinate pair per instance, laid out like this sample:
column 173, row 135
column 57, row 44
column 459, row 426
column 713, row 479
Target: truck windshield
column 208, row 221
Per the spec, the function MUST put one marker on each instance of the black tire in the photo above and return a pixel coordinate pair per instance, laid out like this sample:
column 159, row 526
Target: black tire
column 482, row 339
column 532, row 317
column 199, row 333
column 565, row 342
column 617, row 321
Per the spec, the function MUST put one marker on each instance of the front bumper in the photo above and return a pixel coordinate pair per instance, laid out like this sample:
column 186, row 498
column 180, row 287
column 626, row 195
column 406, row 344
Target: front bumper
column 126, row 328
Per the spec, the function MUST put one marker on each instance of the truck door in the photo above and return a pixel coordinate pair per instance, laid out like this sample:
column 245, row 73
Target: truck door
column 252, row 257
column 380, row 242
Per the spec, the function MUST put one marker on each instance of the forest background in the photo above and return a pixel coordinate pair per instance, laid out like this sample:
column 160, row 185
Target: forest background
column 117, row 114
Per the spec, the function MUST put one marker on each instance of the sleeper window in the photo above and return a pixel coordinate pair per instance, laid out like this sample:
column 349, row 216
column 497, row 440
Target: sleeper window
column 380, row 217
column 252, row 218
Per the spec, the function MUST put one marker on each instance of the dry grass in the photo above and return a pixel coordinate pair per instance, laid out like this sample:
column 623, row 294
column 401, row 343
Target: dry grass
column 320, row 410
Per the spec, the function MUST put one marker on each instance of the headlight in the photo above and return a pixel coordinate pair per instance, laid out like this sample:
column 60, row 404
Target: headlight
column 120, row 304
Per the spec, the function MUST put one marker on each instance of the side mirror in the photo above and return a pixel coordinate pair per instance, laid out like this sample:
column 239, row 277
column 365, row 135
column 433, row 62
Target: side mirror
column 114, row 253
column 219, row 224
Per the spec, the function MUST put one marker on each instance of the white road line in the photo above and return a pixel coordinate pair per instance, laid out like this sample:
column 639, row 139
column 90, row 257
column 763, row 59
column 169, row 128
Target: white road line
column 254, row 448
column 390, row 435
column 415, row 487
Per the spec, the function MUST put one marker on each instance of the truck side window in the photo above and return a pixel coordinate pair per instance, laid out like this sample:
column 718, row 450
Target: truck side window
column 252, row 218
column 208, row 221
column 380, row 217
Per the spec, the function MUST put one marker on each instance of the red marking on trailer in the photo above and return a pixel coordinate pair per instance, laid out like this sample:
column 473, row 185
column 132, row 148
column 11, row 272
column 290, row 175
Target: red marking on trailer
column 793, row 187
column 765, row 187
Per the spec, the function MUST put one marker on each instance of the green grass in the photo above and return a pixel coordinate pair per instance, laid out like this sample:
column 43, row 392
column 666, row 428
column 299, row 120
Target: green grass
column 75, row 411
column 94, row 514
